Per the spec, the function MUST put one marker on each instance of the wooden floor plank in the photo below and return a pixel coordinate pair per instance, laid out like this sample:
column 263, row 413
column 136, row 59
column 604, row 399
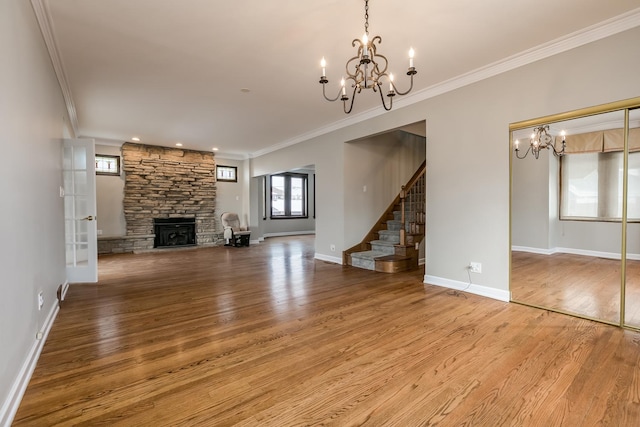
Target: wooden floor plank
column 583, row 285
column 268, row 336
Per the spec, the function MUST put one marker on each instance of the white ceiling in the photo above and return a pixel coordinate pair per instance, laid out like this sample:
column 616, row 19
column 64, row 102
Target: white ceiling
column 172, row 71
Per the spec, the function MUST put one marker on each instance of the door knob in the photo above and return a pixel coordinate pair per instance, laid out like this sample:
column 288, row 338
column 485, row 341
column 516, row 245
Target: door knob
column 88, row 218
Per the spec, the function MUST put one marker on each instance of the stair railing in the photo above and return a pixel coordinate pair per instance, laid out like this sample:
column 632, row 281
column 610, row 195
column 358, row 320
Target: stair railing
column 414, row 187
column 412, row 202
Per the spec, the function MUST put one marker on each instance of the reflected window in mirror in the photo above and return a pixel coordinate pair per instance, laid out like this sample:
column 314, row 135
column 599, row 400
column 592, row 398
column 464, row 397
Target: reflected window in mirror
column 591, row 176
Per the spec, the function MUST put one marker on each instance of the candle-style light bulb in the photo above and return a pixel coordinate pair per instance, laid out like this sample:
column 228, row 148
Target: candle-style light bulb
column 564, row 134
column 323, row 64
column 390, row 82
column 411, row 54
column 365, row 43
column 517, row 144
column 342, row 83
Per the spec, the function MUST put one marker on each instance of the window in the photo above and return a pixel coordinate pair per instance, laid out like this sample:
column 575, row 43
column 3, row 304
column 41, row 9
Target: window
column 289, row 195
column 591, row 186
column 227, row 173
column 107, row 165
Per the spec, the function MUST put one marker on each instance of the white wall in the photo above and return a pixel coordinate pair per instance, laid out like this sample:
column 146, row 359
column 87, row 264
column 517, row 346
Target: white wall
column 230, row 196
column 325, row 154
column 375, row 169
column 290, row 226
column 594, row 236
column 554, row 200
column 32, row 122
column 530, row 200
column 468, row 153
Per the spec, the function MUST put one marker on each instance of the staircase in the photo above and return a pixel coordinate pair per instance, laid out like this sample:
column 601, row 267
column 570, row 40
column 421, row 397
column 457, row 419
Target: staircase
column 391, row 245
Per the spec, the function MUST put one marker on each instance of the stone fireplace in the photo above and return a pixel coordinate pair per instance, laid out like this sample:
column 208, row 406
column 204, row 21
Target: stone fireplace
column 166, row 185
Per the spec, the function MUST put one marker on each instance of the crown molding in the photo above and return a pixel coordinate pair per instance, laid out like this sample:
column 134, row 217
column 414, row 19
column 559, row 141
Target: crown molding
column 587, row 35
column 104, row 141
column 44, row 21
column 229, row 156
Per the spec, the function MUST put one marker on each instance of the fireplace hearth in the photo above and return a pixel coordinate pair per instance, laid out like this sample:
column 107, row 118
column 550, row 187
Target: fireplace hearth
column 174, row 232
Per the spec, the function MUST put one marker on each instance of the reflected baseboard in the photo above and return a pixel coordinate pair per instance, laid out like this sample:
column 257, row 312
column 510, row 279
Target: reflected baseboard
column 584, row 252
column 531, row 250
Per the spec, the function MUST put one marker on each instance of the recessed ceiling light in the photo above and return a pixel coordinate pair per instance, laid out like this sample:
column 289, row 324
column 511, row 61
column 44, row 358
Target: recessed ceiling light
column 178, row 144
column 135, row 138
column 245, row 90
column 215, row 149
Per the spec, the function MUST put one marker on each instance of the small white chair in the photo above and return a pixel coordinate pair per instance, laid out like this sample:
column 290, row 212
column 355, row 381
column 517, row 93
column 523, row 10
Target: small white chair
column 234, row 233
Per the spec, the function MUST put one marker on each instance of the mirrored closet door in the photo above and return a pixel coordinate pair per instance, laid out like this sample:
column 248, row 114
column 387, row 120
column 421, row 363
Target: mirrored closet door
column 568, row 214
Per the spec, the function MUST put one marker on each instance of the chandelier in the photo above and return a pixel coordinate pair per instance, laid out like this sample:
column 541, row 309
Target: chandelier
column 540, row 139
column 366, row 70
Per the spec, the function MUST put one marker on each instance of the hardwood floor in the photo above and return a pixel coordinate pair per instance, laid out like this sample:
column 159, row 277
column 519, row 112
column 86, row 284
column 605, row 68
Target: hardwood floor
column 583, row 285
column 267, row 336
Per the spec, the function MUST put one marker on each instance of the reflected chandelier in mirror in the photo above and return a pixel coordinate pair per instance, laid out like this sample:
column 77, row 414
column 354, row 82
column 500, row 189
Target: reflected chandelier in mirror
column 540, row 139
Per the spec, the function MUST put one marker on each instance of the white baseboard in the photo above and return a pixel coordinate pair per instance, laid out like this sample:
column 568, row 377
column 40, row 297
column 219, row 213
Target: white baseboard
column 65, row 289
column 333, row 259
column 19, row 386
column 484, row 291
column 289, row 233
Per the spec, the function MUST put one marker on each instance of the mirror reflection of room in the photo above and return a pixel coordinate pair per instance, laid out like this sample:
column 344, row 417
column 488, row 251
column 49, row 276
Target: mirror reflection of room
column 567, row 210
column 632, row 272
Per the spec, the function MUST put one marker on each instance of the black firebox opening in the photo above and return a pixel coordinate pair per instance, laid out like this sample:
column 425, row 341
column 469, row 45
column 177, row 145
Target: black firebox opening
column 171, row 232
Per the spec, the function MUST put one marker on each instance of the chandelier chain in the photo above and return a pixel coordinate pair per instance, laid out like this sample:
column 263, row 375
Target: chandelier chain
column 366, row 17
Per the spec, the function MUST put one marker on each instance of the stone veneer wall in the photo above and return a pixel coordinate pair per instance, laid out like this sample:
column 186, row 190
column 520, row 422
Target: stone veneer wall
column 163, row 182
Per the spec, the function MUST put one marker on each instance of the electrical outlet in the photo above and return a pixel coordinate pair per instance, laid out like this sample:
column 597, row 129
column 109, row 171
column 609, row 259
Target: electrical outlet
column 333, row 248
column 475, row 267
column 40, row 300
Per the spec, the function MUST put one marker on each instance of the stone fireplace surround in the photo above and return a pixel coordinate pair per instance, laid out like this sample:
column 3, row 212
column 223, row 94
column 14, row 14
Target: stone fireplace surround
column 162, row 182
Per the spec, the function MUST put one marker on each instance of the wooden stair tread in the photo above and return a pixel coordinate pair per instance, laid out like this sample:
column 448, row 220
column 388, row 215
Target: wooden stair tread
column 388, row 258
column 393, row 263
